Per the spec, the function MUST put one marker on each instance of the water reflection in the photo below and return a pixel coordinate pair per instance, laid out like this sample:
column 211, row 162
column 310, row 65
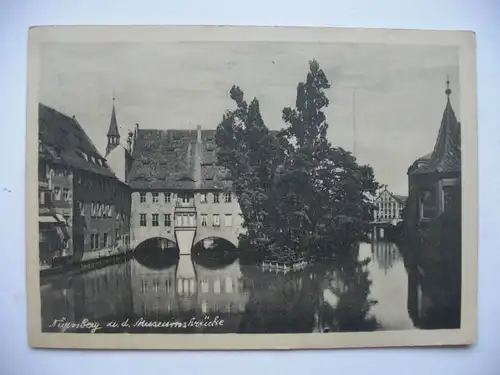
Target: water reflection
column 355, row 295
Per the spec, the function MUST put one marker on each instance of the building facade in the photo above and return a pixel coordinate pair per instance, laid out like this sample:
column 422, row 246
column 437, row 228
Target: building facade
column 54, row 209
column 93, row 201
column 178, row 191
column 389, row 206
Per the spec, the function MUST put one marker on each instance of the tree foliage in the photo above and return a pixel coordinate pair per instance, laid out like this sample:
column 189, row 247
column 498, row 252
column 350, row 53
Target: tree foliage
column 299, row 195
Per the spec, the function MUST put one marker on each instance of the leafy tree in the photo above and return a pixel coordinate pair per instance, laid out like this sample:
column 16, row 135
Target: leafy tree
column 299, row 195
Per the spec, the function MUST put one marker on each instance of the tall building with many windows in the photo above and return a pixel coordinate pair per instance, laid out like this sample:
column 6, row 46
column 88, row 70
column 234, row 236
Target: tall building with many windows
column 94, row 203
column 388, row 206
column 177, row 186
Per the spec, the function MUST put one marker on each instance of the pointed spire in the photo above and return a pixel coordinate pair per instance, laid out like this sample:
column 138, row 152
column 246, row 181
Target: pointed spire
column 447, row 150
column 113, row 133
column 113, row 126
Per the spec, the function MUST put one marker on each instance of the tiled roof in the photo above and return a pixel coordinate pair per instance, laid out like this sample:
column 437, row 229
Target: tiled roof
column 446, row 156
column 174, row 159
column 65, row 141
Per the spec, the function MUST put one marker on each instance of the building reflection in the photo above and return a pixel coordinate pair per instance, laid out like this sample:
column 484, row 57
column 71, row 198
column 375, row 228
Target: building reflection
column 385, row 254
column 249, row 299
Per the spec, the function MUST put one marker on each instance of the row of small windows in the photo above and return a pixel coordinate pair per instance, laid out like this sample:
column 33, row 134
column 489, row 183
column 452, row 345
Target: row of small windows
column 61, row 194
column 98, row 242
column 388, row 210
column 185, row 219
column 226, row 285
column 185, row 198
column 93, row 159
column 98, row 210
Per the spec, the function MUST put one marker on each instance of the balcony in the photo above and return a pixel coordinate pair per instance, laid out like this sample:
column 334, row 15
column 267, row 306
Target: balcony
column 185, row 206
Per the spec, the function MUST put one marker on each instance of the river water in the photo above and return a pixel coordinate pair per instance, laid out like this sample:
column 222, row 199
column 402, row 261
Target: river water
column 139, row 296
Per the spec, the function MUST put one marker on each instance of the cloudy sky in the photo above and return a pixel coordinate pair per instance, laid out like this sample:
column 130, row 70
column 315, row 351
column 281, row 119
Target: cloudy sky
column 399, row 90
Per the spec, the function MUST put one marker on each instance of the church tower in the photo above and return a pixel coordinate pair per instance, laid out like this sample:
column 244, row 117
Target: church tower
column 113, row 133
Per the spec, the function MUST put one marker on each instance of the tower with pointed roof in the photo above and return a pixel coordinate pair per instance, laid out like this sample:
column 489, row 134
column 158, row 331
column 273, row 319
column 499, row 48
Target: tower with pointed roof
column 433, row 227
column 113, row 133
column 434, row 179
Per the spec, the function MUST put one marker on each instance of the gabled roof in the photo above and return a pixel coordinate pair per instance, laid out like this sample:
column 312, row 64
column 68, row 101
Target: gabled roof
column 400, row 198
column 113, row 126
column 446, row 156
column 65, row 141
column 173, row 159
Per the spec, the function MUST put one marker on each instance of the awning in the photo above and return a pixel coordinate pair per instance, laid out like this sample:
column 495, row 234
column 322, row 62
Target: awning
column 62, row 232
column 60, row 218
column 47, row 219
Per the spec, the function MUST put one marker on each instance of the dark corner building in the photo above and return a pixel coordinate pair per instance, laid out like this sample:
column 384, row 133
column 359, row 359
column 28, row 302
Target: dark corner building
column 77, row 184
column 433, row 226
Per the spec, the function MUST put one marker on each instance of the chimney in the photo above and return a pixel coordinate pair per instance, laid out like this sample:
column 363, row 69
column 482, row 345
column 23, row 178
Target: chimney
column 198, row 136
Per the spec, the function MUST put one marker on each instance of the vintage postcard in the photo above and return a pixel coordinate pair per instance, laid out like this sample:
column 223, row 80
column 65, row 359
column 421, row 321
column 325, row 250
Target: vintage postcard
column 216, row 187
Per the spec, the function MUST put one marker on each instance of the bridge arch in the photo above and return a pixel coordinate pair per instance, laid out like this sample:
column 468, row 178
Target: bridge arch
column 214, row 252
column 157, row 253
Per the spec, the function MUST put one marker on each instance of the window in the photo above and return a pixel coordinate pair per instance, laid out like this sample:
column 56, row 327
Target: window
column 229, row 285
column 228, row 220
column 65, row 244
column 204, row 286
column 155, row 197
column 66, row 194
column 216, row 197
column 168, row 197
column 203, row 197
column 92, row 209
column 96, row 241
column 168, row 220
column 42, row 199
column 216, row 220
column 178, row 220
column 192, row 221
column 142, row 197
column 427, row 204
column 117, row 235
column 67, row 218
column 57, row 193
column 155, row 220
column 450, row 197
column 79, row 208
column 227, row 197
column 142, row 220
column 104, row 240
column 216, row 286
column 203, row 220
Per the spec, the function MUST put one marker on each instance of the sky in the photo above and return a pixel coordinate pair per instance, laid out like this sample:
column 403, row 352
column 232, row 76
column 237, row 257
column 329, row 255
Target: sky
column 386, row 101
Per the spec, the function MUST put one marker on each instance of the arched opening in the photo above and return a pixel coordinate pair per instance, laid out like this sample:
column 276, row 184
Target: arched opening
column 157, row 253
column 214, row 253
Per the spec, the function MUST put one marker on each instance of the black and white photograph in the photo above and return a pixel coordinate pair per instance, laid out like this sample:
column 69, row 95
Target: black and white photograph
column 251, row 187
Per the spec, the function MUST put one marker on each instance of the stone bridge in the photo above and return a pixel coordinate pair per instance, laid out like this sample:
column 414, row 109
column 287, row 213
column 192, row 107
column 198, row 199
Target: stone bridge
column 190, row 223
